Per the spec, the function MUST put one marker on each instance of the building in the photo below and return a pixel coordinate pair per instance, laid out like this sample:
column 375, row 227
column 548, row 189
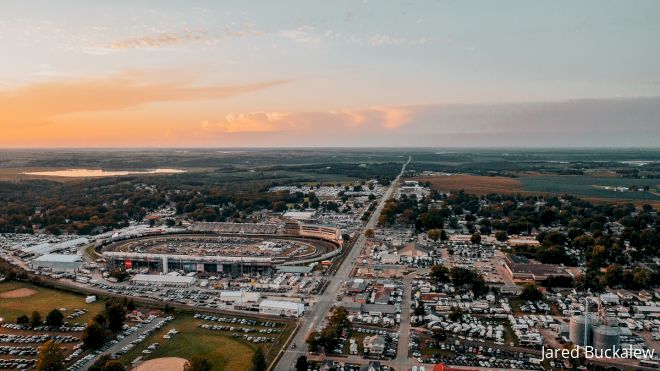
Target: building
column 414, row 249
column 303, row 216
column 281, row 308
column 321, row 231
column 515, row 241
column 47, row 247
column 374, row 345
column 239, row 297
column 522, row 269
column 442, row 367
column 295, row 269
column 388, row 258
column 164, row 280
column 58, row 262
column 378, row 309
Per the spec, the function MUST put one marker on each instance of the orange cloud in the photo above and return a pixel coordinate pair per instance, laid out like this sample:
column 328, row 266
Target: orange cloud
column 38, row 104
column 389, row 118
column 160, row 40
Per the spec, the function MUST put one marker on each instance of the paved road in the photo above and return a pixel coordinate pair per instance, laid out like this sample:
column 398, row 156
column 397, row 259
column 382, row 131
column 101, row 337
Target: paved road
column 314, row 319
column 404, row 327
column 123, row 342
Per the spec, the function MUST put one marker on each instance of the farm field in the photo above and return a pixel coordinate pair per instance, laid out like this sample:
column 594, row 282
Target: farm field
column 220, row 348
column 588, row 187
column 18, row 298
column 476, row 184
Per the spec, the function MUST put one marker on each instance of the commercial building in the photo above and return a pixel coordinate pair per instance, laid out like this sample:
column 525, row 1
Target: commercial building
column 522, row 269
column 281, row 308
column 164, row 280
column 58, row 262
column 47, row 247
column 234, row 265
column 303, row 216
column 239, row 297
column 326, row 232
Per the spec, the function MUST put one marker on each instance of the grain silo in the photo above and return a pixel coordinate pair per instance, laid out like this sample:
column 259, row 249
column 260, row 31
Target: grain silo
column 577, row 328
column 606, row 337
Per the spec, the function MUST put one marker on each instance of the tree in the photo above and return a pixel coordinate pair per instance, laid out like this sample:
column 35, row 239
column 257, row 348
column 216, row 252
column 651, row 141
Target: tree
column 197, row 363
column 116, row 314
column 35, row 319
column 531, row 293
column 440, row 273
column 455, row 314
column 613, row 275
column 93, row 336
column 443, row 235
column 100, row 363
column 434, row 234
column 419, row 310
column 476, row 238
column 51, row 357
column 259, row 360
column 23, row 320
column 369, row 233
column 113, row 366
column 100, row 319
column 55, row 318
column 302, row 364
column 501, row 236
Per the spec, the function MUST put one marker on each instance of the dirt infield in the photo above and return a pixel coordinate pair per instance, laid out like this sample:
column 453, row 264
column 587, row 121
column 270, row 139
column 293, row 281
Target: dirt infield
column 18, row 293
column 162, row 364
column 479, row 185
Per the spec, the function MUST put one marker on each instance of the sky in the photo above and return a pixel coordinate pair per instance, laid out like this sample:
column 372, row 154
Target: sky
column 329, row 73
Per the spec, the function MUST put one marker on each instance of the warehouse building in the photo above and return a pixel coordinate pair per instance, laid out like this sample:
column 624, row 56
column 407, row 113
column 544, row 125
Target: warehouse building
column 239, row 297
column 281, row 308
column 58, row 262
column 164, row 280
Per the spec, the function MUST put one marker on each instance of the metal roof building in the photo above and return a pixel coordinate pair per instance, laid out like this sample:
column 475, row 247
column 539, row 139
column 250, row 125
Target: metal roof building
column 164, row 280
column 58, row 262
column 281, row 308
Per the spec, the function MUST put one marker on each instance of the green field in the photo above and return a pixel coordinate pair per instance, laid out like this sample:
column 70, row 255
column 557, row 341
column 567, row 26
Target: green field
column 43, row 301
column 222, row 350
column 588, row 186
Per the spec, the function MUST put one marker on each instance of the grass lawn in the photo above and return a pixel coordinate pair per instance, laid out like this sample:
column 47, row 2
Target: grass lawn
column 222, row 350
column 44, row 301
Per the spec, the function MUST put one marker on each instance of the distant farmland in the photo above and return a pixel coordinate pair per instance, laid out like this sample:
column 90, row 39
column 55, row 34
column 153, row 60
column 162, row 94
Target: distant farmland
column 476, row 184
column 588, row 187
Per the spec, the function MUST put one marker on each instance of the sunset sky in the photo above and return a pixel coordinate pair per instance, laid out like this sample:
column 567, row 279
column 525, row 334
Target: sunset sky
column 329, row 73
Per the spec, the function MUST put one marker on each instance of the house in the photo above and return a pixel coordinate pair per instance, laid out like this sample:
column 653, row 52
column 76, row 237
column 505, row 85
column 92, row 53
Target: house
column 372, row 366
column 374, row 345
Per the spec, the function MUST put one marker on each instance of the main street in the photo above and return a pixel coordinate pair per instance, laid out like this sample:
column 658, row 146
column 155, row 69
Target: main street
column 314, row 318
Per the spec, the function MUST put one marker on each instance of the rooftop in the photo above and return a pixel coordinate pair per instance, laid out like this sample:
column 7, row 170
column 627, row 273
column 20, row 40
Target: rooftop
column 60, row 258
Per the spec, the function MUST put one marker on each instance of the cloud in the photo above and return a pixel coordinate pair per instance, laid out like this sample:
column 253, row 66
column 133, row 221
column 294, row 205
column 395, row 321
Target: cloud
column 303, row 34
column 377, row 118
column 590, row 122
column 38, row 103
column 160, row 40
column 380, row 39
column 167, row 39
column 310, row 35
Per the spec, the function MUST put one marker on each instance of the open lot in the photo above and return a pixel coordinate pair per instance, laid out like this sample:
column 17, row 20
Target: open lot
column 591, row 188
column 224, row 351
column 42, row 300
column 476, row 184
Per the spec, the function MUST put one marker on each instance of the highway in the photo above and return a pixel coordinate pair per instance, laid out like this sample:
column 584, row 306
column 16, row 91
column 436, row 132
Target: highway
column 314, row 319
